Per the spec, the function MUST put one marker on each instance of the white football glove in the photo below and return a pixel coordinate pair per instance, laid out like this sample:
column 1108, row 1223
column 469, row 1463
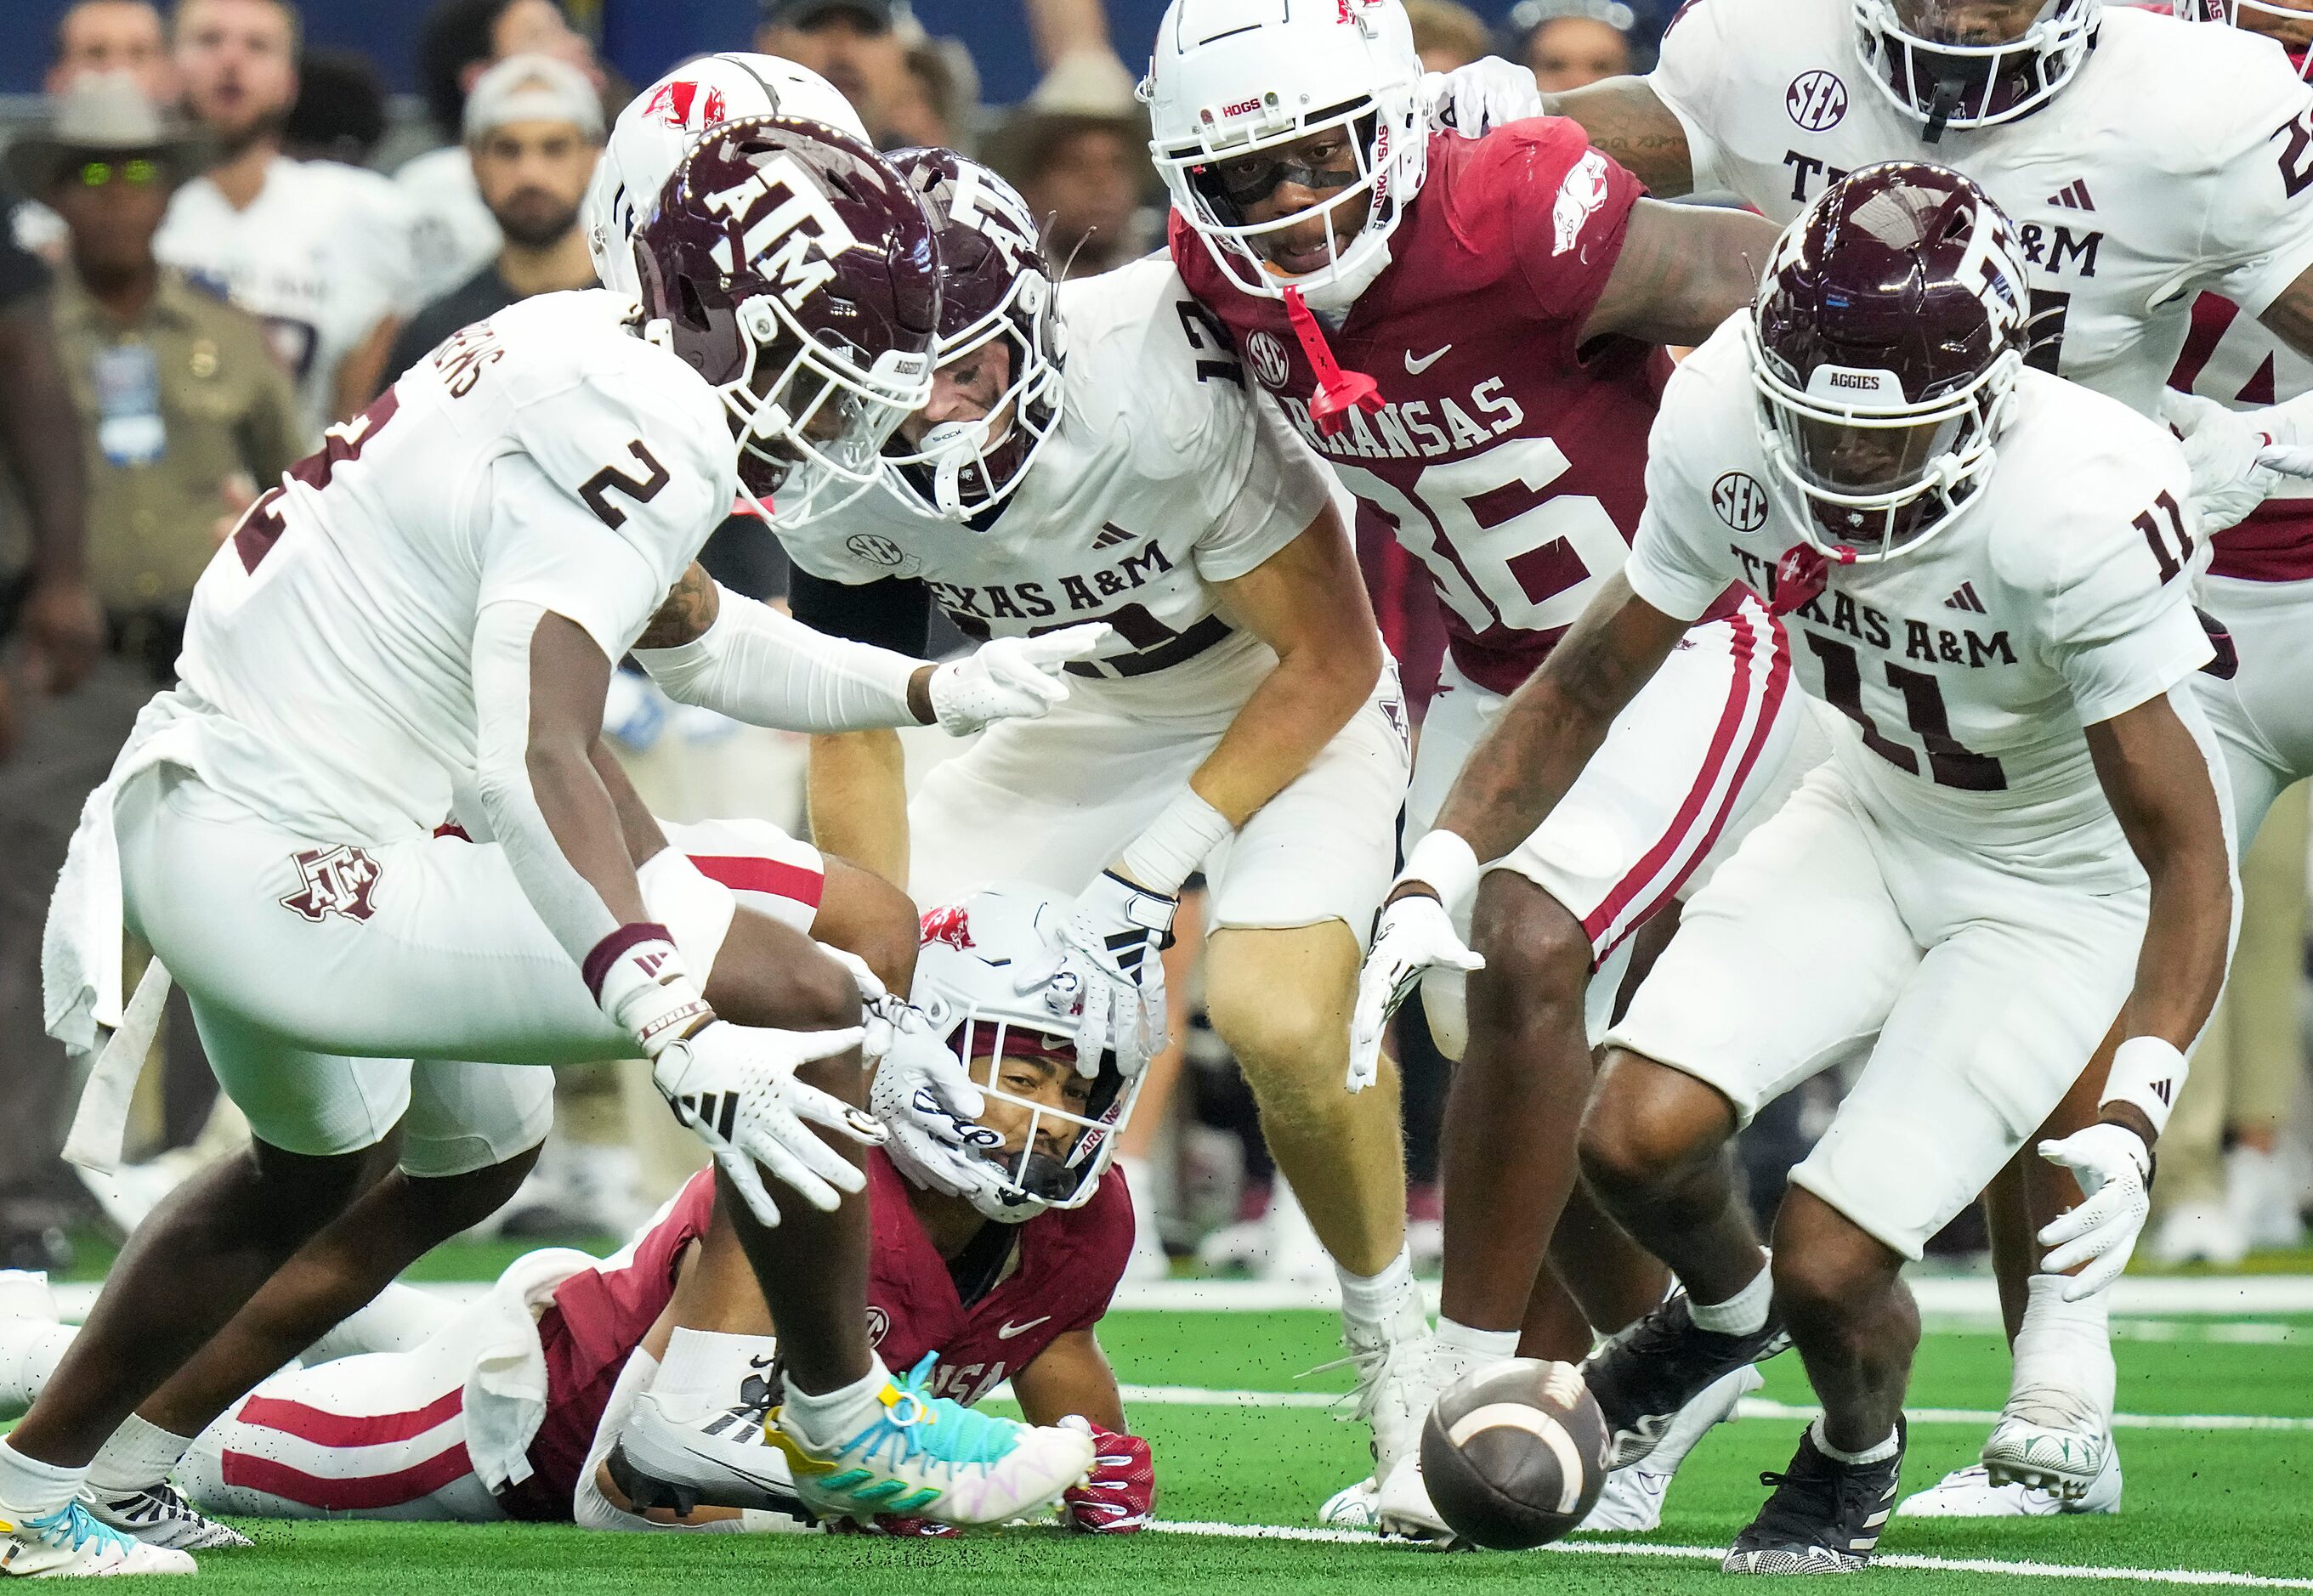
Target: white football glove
column 1475, row 99
column 1114, row 936
column 1011, row 678
column 2113, row 1166
column 736, row 1086
column 2236, row 465
column 1416, row 935
column 926, row 1100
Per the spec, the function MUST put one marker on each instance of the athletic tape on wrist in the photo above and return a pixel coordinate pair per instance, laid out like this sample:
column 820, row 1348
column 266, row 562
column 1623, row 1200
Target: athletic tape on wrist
column 1442, row 860
column 638, row 979
column 2146, row 1072
column 1176, row 843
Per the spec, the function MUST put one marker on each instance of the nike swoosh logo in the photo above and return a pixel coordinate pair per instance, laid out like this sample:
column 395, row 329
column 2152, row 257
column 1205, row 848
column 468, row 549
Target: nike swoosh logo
column 1006, row 1331
column 1415, row 368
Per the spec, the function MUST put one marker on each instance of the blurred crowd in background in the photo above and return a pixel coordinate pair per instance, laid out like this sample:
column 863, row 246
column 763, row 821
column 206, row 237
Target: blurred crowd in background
column 222, row 241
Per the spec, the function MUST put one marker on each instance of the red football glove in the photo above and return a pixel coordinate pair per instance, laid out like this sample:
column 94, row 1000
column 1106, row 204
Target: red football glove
column 1120, row 1496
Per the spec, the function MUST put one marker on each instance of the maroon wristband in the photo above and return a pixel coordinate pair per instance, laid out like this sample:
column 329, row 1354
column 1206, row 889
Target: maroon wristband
column 605, row 953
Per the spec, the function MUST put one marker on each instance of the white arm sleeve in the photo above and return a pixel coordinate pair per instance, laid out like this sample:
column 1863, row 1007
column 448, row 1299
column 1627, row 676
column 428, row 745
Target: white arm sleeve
column 571, row 908
column 757, row 665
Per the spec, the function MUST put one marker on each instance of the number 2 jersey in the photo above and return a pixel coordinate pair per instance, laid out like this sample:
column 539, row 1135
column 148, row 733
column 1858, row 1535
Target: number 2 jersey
column 1509, row 460
column 544, row 456
column 1965, row 670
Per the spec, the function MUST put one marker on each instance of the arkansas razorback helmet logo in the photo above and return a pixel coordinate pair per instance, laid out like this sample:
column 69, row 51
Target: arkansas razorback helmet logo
column 673, row 105
column 950, row 923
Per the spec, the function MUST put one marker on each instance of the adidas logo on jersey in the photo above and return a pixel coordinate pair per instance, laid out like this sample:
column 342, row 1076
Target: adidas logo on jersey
column 1110, row 535
column 2074, row 197
column 1963, row 598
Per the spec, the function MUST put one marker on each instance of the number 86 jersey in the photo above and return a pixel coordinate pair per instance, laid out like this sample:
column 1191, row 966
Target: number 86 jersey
column 1965, row 670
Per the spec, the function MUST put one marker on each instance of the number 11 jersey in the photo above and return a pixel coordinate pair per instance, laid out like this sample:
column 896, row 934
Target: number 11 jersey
column 1509, row 460
column 1965, row 671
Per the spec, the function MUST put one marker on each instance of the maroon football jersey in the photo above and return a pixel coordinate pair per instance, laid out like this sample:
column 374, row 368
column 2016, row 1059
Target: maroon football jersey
column 1068, row 1264
column 2237, row 360
column 1510, row 461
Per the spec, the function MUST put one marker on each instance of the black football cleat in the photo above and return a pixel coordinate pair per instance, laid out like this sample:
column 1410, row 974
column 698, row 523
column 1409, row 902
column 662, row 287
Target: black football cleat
column 1825, row 1516
column 1656, row 1367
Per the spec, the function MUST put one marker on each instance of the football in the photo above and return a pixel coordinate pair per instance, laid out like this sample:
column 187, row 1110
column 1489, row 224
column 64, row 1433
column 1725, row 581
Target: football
column 1515, row 1456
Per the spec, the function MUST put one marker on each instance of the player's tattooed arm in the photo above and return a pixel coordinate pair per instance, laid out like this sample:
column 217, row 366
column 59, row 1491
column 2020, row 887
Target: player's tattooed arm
column 1625, row 118
column 2157, row 782
column 1683, row 269
column 691, row 607
column 1551, row 726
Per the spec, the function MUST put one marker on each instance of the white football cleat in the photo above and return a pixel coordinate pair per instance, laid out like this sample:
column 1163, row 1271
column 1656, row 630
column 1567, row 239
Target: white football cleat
column 1633, row 1499
column 678, row 1457
column 2048, row 1439
column 1402, row 1507
column 1630, row 1502
column 1352, row 1507
column 1396, row 1385
column 71, row 1544
column 158, row 1515
column 1969, row 1494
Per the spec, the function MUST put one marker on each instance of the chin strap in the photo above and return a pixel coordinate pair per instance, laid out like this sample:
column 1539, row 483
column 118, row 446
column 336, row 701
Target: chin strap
column 1940, row 110
column 1338, row 391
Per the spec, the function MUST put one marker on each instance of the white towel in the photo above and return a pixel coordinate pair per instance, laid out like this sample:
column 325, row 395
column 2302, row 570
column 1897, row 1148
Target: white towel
column 505, row 1386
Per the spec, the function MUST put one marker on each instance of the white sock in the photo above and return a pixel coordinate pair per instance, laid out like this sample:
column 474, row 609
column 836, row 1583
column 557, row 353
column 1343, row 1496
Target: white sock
column 820, row 1419
column 29, row 1488
column 1743, row 1314
column 1869, row 1454
column 1369, row 1299
column 706, row 1368
column 2065, row 1346
column 136, row 1455
column 1461, row 1348
column 397, row 1320
column 30, row 1351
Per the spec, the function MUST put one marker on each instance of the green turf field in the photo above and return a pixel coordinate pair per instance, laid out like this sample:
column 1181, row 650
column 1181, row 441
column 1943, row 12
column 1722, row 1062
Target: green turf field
column 2221, row 1498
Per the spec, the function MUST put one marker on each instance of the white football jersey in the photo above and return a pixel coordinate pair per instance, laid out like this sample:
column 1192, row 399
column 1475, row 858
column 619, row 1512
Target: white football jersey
column 452, row 233
column 2178, row 159
column 1161, row 476
column 1965, row 670
column 544, row 455
column 320, row 256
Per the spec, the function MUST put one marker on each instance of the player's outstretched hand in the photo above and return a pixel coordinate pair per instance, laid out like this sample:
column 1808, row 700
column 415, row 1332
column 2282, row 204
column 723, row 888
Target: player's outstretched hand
column 1481, row 96
column 2232, row 473
column 1011, row 678
column 925, row 1101
column 736, row 1086
column 1416, row 935
column 2113, row 1166
column 1116, row 937
column 1119, row 1496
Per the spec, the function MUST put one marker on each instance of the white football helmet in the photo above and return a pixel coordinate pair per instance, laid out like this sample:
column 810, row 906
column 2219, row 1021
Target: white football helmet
column 2279, row 20
column 1910, row 49
column 990, row 975
column 1230, row 80
column 658, row 128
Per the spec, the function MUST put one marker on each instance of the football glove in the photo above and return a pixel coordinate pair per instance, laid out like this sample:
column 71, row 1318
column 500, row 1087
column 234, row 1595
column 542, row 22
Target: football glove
column 1119, row 1496
column 1476, row 99
column 1011, row 678
column 736, row 1086
column 1416, row 935
column 927, row 1103
column 2115, row 1169
column 1114, row 938
column 2235, row 465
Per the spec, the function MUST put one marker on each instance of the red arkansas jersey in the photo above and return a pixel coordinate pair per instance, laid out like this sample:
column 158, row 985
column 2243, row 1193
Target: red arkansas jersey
column 1068, row 1266
column 1510, row 462
column 2235, row 360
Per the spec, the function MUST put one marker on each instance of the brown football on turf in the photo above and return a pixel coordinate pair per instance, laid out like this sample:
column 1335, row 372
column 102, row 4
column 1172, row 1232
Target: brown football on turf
column 1515, row 1455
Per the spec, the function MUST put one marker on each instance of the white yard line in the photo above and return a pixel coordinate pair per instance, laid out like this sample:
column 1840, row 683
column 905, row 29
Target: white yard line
column 2146, row 1576
column 1951, row 1296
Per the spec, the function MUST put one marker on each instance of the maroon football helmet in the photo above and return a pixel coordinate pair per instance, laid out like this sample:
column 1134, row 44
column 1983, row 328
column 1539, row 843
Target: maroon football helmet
column 995, row 283
column 789, row 265
column 1945, row 62
column 1886, row 346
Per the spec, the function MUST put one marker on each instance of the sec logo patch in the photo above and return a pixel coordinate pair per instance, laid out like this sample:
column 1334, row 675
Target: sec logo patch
column 1266, row 355
column 1740, row 501
column 876, row 550
column 1816, row 101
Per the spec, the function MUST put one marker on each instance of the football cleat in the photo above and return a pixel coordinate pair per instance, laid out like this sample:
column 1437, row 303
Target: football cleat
column 70, row 1543
column 2049, row 1440
column 1652, row 1369
column 1352, row 1507
column 1825, row 1516
column 1634, row 1496
column 1393, row 1358
column 722, row 1456
column 158, row 1515
column 1403, row 1508
column 926, row 1457
column 1969, row 1494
